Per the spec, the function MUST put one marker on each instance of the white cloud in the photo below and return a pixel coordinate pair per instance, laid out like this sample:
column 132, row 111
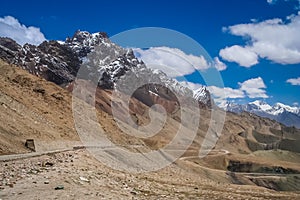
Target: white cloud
column 172, row 61
column 297, row 6
column 274, row 39
column 251, row 88
column 220, row 66
column 294, row 81
column 254, row 88
column 226, row 92
column 218, row 93
column 241, row 55
column 11, row 27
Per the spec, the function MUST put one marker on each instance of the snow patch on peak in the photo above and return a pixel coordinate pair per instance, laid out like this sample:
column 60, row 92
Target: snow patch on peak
column 261, row 105
column 84, row 42
column 285, row 114
column 282, row 107
column 61, row 42
column 202, row 94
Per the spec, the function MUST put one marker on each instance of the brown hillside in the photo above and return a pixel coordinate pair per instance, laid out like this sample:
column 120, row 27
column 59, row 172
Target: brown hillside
column 33, row 108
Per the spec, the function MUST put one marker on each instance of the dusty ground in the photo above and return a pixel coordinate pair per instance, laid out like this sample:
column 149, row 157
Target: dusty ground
column 83, row 177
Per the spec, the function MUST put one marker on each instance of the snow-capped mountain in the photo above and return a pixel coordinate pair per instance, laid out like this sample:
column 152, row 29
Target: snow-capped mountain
column 280, row 108
column 59, row 62
column 285, row 114
column 202, row 94
column 261, row 106
column 231, row 106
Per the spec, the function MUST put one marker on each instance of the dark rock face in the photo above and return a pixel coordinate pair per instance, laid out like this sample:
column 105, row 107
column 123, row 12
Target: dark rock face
column 55, row 61
column 8, row 48
column 249, row 167
column 50, row 60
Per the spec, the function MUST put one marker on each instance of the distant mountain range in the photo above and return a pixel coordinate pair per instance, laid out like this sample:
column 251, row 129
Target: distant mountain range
column 290, row 116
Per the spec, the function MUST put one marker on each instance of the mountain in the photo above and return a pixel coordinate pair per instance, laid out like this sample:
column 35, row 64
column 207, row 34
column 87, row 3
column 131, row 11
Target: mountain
column 33, row 108
column 290, row 116
column 202, row 94
column 59, row 62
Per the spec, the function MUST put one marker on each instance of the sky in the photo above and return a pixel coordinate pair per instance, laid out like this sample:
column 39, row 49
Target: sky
column 254, row 44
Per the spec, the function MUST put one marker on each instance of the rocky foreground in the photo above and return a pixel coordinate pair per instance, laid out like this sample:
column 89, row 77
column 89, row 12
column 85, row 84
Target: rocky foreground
column 76, row 174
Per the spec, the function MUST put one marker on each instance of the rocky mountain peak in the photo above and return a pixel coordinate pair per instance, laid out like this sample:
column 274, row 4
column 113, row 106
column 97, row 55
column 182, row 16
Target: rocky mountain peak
column 202, row 94
column 86, row 38
column 84, row 42
column 262, row 105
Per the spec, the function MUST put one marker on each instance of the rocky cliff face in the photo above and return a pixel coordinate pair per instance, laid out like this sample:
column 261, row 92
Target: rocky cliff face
column 55, row 61
column 50, row 60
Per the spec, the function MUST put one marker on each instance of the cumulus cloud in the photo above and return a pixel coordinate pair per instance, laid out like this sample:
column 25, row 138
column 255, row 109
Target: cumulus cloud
column 241, row 55
column 276, row 40
column 251, row 88
column 217, row 92
column 254, row 88
column 220, row 66
column 226, row 92
column 12, row 28
column 172, row 61
column 294, row 81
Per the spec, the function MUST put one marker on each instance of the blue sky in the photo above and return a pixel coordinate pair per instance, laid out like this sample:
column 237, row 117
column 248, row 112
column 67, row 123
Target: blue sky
column 219, row 26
